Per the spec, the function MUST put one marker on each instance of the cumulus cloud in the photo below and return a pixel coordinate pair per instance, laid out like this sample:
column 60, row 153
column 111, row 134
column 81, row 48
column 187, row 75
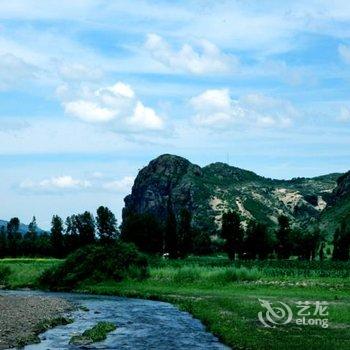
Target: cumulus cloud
column 96, row 182
column 116, row 104
column 215, row 108
column 89, row 111
column 205, row 58
column 59, row 183
column 123, row 185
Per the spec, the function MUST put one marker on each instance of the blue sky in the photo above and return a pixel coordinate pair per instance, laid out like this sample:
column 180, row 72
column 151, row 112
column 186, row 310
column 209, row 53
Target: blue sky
column 91, row 91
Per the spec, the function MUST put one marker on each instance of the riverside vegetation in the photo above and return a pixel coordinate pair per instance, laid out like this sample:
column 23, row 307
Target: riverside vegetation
column 224, row 295
column 95, row 334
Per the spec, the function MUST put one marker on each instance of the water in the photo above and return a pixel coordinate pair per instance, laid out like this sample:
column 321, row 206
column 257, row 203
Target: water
column 141, row 324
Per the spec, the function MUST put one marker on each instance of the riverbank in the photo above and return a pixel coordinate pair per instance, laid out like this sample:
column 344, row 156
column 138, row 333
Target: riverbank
column 23, row 318
column 231, row 311
column 226, row 298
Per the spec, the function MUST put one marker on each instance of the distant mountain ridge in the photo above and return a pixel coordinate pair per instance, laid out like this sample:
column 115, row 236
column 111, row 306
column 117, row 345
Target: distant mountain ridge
column 22, row 227
column 209, row 191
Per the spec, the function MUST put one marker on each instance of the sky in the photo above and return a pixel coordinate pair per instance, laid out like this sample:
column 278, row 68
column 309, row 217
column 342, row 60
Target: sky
column 91, row 91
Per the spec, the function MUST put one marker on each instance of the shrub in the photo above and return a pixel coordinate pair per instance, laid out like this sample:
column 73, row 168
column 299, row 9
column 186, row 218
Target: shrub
column 97, row 263
column 5, row 272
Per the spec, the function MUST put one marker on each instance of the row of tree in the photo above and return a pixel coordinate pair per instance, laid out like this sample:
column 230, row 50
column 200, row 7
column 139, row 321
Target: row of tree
column 176, row 237
column 258, row 242
column 64, row 237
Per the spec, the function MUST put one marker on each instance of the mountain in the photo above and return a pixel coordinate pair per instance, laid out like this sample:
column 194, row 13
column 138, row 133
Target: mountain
column 209, row 191
column 339, row 206
column 22, row 227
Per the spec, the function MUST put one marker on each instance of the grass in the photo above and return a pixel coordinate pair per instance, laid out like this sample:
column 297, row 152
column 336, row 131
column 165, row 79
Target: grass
column 25, row 272
column 225, row 297
column 209, row 276
column 95, row 334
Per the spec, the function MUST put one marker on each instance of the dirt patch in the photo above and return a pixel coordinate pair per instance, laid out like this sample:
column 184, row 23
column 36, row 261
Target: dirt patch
column 22, row 318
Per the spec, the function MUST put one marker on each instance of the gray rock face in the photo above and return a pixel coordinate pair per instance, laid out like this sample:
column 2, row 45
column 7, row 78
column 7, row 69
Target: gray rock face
column 209, row 191
column 167, row 175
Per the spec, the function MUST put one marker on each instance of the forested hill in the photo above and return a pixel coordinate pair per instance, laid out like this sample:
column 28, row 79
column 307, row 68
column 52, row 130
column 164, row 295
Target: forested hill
column 209, row 191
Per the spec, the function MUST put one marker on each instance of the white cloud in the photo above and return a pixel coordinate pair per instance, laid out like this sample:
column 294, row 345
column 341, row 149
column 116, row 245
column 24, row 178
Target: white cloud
column 216, row 108
column 14, row 71
column 344, row 52
column 97, row 182
column 145, row 117
column 119, row 89
column 123, row 185
column 89, row 111
column 344, row 115
column 115, row 104
column 73, row 71
column 212, row 100
column 206, row 58
column 60, row 183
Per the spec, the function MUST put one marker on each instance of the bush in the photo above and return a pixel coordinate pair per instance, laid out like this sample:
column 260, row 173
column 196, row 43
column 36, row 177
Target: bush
column 97, row 263
column 5, row 272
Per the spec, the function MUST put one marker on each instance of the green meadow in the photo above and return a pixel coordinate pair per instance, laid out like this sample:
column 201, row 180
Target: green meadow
column 225, row 296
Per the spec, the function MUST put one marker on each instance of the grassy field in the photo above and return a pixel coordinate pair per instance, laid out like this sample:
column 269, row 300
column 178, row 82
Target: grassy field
column 225, row 297
column 24, row 272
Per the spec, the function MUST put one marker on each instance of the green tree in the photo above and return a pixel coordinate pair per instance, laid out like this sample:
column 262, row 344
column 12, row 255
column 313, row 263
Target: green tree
column 258, row 241
column 144, row 230
column 43, row 244
column 232, row 233
column 201, row 242
column 86, row 227
column 185, row 233
column 3, row 242
column 341, row 241
column 171, row 239
column 71, row 237
column 307, row 243
column 106, row 225
column 284, row 238
column 14, row 238
column 29, row 239
column 57, row 237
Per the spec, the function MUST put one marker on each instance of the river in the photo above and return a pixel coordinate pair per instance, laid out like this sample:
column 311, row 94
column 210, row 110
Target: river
column 141, row 324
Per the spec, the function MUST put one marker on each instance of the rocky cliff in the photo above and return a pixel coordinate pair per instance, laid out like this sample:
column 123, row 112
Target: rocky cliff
column 209, row 191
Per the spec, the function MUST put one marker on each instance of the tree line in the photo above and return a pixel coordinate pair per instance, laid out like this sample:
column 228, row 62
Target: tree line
column 177, row 237
column 64, row 237
column 257, row 241
column 240, row 240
